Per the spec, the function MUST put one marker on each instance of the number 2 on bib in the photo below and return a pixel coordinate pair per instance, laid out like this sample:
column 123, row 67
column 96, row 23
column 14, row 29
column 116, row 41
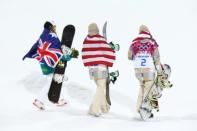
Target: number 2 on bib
column 143, row 62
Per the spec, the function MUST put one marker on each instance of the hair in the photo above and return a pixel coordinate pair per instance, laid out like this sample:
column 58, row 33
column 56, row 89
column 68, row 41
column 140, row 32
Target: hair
column 93, row 28
column 143, row 28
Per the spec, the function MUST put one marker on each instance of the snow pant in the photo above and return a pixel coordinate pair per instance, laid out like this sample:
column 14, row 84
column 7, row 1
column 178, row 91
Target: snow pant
column 99, row 103
column 43, row 94
column 146, row 82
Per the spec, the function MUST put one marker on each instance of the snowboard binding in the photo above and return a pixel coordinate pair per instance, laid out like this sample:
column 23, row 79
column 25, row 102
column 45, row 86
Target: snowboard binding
column 59, row 78
column 162, row 79
column 113, row 76
column 115, row 47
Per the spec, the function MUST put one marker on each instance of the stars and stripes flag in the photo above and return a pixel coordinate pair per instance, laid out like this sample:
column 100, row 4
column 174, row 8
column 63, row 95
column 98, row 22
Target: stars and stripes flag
column 96, row 51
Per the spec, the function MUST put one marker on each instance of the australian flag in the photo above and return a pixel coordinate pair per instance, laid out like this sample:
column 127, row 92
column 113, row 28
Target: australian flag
column 47, row 50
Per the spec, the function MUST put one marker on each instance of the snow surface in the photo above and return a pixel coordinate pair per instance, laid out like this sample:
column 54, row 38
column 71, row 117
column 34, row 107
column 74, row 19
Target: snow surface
column 172, row 23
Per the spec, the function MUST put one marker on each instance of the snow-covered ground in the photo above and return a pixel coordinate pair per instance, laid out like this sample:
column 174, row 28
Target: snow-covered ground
column 172, row 23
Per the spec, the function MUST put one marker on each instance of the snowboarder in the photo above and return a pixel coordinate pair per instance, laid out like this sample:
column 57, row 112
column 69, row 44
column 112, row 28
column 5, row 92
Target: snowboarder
column 145, row 54
column 47, row 50
column 97, row 55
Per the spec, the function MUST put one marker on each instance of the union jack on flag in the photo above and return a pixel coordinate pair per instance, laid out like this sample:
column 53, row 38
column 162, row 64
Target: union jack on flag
column 47, row 50
column 48, row 55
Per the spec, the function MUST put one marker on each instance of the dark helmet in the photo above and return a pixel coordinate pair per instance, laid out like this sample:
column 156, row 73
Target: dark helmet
column 48, row 24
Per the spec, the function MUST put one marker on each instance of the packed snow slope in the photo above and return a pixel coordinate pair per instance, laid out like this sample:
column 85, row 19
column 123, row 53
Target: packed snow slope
column 173, row 23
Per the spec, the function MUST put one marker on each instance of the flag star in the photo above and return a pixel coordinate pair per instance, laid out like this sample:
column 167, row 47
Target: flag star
column 53, row 35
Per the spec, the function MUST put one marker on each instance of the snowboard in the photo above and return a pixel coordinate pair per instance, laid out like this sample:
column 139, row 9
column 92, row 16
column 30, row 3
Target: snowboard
column 112, row 77
column 55, row 87
column 150, row 102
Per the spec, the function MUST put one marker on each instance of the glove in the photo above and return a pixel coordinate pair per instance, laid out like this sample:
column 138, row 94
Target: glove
column 75, row 53
column 66, row 50
column 66, row 58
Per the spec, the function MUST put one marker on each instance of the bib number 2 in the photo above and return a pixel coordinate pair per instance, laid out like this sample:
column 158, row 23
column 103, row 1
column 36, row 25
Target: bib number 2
column 143, row 62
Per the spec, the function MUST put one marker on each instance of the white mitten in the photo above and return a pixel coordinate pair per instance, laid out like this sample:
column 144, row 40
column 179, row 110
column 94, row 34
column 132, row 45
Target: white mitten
column 66, row 50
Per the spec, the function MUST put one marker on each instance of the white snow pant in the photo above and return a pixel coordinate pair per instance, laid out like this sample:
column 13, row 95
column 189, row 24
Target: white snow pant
column 146, row 80
column 145, row 87
column 99, row 103
column 43, row 94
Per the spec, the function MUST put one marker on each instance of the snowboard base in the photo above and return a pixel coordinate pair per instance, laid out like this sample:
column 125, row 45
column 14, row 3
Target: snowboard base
column 56, row 84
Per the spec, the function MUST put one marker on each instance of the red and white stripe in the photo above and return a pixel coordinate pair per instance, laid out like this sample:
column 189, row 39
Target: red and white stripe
column 97, row 51
column 142, row 35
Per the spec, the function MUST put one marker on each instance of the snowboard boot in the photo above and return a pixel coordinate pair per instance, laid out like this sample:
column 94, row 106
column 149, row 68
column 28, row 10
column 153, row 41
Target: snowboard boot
column 39, row 104
column 94, row 114
column 61, row 102
column 105, row 109
column 113, row 76
column 94, row 111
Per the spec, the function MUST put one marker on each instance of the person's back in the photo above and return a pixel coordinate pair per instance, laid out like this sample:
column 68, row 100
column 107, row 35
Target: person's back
column 144, row 52
column 97, row 55
column 47, row 50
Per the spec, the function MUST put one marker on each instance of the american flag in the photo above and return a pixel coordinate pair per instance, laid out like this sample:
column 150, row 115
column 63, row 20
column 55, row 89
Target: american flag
column 47, row 49
column 96, row 51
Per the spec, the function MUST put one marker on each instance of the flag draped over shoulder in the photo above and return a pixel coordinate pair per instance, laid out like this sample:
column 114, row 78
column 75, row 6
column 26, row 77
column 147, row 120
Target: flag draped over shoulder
column 96, row 51
column 47, row 50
